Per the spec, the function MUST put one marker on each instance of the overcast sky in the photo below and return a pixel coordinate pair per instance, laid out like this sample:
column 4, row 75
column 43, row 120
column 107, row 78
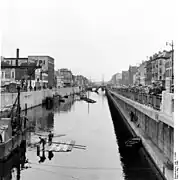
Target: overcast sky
column 90, row 37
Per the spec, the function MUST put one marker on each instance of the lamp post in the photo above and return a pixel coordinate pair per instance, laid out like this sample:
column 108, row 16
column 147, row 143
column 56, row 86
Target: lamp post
column 171, row 44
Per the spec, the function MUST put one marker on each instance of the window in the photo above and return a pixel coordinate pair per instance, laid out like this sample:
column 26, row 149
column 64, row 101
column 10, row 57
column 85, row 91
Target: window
column 166, row 64
column 12, row 75
column 166, row 74
column 2, row 75
column 160, row 70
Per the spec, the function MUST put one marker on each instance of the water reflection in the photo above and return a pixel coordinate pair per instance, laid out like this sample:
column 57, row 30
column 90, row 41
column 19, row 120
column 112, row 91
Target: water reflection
column 12, row 167
column 41, row 120
column 65, row 106
column 103, row 158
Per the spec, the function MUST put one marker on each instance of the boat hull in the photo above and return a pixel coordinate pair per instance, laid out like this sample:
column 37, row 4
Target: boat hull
column 8, row 147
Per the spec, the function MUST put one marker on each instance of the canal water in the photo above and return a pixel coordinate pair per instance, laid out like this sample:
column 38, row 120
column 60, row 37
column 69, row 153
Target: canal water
column 88, row 125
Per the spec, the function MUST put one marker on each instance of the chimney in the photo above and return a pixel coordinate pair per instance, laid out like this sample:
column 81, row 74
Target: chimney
column 17, row 53
column 17, row 56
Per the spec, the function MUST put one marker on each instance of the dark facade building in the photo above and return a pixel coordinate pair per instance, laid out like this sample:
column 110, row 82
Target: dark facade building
column 148, row 75
column 66, row 76
column 19, row 74
column 43, row 75
column 47, row 72
column 125, row 78
column 132, row 70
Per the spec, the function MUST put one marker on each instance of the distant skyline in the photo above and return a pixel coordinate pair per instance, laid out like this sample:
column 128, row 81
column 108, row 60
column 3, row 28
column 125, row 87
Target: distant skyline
column 93, row 38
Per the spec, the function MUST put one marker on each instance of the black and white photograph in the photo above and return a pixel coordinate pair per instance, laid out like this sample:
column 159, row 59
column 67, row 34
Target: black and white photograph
column 87, row 89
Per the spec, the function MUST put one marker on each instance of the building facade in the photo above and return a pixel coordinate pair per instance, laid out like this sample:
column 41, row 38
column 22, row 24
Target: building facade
column 81, row 81
column 168, row 66
column 148, row 70
column 11, row 74
column 116, row 79
column 119, row 78
column 113, row 80
column 132, row 70
column 140, row 74
column 66, row 77
column 7, row 75
column 136, row 79
column 159, row 67
column 125, row 78
column 59, row 82
column 46, row 74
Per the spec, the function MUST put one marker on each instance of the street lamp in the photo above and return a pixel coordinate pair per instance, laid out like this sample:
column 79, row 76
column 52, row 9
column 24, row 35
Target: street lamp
column 171, row 44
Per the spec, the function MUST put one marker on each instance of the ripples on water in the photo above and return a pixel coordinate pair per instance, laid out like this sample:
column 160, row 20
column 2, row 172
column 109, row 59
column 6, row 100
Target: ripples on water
column 90, row 125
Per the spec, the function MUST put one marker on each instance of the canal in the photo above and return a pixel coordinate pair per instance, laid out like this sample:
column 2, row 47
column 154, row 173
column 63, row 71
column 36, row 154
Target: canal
column 89, row 125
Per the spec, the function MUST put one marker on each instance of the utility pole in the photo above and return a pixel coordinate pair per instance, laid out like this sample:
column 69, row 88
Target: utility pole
column 18, row 105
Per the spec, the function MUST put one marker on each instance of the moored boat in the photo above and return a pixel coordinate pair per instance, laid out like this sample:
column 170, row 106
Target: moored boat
column 87, row 100
column 12, row 130
column 11, row 138
column 131, row 146
column 90, row 100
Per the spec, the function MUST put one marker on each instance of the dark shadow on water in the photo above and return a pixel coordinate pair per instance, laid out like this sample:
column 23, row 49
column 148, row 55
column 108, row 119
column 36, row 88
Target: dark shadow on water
column 17, row 162
column 135, row 166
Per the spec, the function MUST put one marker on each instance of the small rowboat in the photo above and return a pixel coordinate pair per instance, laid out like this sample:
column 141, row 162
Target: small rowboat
column 131, row 146
column 133, row 140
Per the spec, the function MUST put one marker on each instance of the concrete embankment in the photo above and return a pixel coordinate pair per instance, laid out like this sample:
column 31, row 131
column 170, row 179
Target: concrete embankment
column 156, row 141
column 32, row 99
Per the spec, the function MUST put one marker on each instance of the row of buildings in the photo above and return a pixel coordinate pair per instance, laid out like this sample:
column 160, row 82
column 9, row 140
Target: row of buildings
column 26, row 69
column 37, row 71
column 65, row 78
column 157, row 70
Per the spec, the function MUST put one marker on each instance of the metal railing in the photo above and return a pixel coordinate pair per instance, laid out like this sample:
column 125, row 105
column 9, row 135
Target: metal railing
column 150, row 100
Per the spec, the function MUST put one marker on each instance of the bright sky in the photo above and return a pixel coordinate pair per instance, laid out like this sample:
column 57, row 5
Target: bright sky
column 90, row 37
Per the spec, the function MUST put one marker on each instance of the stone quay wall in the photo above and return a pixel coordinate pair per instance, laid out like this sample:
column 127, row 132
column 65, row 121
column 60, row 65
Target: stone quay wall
column 34, row 98
column 156, row 129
